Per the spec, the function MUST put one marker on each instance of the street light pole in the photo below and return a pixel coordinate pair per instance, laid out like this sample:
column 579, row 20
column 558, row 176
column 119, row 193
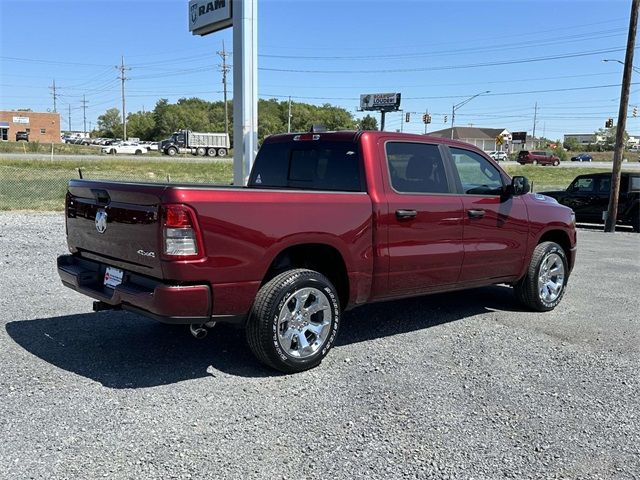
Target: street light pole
column 612, row 211
column 461, row 104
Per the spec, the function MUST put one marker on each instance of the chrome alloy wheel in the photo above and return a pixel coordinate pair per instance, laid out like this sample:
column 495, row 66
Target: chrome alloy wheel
column 551, row 278
column 304, row 323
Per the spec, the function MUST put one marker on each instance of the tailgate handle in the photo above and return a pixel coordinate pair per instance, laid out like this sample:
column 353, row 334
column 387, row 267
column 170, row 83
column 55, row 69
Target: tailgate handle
column 405, row 214
column 101, row 196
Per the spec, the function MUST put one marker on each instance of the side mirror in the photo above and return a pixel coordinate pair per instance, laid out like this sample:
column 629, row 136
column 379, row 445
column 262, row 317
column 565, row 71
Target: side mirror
column 520, row 185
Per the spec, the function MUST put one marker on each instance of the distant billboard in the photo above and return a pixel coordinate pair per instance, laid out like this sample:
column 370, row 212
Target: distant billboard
column 380, row 101
column 519, row 137
column 209, row 16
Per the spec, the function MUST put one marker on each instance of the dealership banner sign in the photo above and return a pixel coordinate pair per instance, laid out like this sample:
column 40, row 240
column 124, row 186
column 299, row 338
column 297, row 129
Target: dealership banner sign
column 380, row 101
column 209, row 16
column 24, row 120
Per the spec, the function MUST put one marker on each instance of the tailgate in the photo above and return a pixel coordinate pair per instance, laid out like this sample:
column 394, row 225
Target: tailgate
column 116, row 223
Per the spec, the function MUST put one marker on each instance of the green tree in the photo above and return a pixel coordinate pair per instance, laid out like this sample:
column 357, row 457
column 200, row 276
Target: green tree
column 572, row 144
column 110, row 123
column 141, row 125
column 368, row 123
column 607, row 137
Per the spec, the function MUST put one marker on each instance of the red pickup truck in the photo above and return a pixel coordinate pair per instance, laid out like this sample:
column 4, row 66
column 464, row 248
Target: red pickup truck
column 327, row 222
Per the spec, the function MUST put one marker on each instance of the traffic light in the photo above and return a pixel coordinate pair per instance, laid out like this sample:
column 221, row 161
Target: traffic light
column 407, row 117
column 635, row 111
column 609, row 123
column 445, row 119
column 428, row 119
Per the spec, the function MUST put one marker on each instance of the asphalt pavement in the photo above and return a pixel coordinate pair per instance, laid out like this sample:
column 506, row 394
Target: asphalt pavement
column 464, row 385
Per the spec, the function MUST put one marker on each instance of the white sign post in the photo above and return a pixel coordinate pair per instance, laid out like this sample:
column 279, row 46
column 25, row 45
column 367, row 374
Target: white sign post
column 208, row 16
column 245, row 88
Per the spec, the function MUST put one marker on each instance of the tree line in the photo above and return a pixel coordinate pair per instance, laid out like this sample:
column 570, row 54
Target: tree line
column 203, row 116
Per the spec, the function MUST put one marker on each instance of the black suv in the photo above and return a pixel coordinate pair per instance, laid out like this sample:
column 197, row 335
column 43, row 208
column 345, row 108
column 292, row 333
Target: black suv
column 22, row 136
column 588, row 196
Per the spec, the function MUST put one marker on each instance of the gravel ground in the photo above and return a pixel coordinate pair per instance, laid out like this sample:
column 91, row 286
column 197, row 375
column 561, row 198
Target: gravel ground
column 460, row 385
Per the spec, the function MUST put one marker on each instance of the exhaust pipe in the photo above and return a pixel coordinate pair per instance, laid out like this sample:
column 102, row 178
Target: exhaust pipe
column 198, row 330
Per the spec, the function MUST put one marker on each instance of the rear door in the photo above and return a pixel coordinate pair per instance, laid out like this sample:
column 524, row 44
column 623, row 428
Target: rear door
column 116, row 223
column 424, row 218
column 496, row 228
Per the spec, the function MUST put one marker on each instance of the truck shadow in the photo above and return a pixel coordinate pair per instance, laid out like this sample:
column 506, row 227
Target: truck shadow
column 123, row 350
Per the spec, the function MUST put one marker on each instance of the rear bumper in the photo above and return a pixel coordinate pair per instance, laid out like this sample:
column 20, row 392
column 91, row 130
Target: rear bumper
column 176, row 304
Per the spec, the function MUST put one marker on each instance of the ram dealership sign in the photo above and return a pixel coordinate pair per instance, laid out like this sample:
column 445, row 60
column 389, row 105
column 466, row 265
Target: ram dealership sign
column 208, row 16
column 380, row 101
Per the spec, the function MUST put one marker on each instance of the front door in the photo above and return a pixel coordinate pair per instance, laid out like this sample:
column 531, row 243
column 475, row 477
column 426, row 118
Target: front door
column 424, row 219
column 583, row 199
column 496, row 228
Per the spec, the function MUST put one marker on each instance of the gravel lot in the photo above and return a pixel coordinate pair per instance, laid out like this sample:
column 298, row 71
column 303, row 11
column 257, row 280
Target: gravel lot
column 461, row 385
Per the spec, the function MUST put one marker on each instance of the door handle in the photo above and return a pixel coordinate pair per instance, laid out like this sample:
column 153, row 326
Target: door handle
column 476, row 213
column 406, row 214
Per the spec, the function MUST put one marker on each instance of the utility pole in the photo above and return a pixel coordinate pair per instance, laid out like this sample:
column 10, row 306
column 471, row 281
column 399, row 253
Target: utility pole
column 123, row 78
column 401, row 121
column 55, row 94
column 84, row 114
column 612, row 211
column 225, row 69
column 535, row 119
column 69, row 118
column 289, row 118
column 382, row 112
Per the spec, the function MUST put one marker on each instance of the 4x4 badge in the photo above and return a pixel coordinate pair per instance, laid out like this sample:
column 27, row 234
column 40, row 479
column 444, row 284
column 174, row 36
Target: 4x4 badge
column 101, row 221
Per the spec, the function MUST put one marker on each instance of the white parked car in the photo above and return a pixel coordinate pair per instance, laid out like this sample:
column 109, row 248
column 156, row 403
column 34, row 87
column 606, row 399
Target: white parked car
column 125, row 147
column 499, row 156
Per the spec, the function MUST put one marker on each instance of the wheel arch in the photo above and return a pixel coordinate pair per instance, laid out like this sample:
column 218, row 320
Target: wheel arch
column 561, row 238
column 321, row 257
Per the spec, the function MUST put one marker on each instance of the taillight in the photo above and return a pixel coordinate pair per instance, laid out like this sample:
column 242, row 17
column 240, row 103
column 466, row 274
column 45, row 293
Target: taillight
column 180, row 233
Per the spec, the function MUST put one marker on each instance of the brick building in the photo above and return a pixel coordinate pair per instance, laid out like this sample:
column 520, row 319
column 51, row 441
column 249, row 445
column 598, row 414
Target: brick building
column 42, row 126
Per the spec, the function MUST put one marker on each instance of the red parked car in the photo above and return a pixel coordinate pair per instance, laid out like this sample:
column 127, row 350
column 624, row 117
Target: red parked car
column 537, row 158
column 327, row 222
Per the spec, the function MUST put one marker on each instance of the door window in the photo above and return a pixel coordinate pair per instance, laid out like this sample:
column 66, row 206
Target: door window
column 477, row 175
column 585, row 184
column 416, row 168
column 604, row 186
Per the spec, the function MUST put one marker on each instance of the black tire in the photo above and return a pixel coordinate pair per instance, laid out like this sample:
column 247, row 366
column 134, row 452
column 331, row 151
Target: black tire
column 201, row 151
column 212, row 152
column 138, row 152
column 113, row 151
column 535, row 162
column 556, row 163
column 276, row 295
column 527, row 289
column 172, row 151
column 222, row 152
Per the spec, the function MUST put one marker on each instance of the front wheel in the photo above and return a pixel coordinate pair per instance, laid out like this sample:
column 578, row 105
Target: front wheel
column 172, row 151
column 544, row 284
column 294, row 321
column 138, row 152
column 535, row 162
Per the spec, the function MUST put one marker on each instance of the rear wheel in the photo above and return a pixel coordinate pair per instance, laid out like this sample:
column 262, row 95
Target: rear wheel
column 544, row 284
column 556, row 163
column 535, row 162
column 211, row 152
column 201, row 151
column 222, row 152
column 138, row 152
column 112, row 151
column 294, row 321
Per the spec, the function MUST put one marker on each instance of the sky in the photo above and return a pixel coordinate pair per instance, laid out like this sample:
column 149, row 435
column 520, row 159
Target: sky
column 435, row 53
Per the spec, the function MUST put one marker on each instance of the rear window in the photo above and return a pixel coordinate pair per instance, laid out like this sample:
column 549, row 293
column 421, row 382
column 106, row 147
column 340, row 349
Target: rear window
column 308, row 165
column 635, row 184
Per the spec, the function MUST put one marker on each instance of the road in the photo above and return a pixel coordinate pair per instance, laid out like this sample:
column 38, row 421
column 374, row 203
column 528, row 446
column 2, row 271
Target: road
column 98, row 157
column 454, row 386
